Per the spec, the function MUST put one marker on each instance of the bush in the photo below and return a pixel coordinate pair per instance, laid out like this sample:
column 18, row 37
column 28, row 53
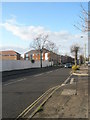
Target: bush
column 75, row 67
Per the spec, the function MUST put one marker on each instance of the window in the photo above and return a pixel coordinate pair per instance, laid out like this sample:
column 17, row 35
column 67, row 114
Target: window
column 5, row 55
column 26, row 58
column 31, row 56
column 46, row 56
column 42, row 56
column 13, row 55
column 27, row 55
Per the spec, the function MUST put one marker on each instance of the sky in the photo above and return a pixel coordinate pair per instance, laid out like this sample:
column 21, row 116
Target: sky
column 23, row 21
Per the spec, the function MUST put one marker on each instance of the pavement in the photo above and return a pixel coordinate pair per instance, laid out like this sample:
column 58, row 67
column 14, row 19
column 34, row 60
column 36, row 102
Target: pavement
column 69, row 101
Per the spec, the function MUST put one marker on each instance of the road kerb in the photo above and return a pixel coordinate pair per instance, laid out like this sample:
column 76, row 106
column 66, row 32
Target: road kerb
column 33, row 104
column 42, row 103
column 78, row 74
column 48, row 98
column 36, row 101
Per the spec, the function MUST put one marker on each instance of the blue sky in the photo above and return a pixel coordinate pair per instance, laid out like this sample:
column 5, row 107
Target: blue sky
column 53, row 17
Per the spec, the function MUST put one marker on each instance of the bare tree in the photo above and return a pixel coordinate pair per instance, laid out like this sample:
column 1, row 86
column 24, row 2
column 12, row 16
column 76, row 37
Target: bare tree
column 75, row 49
column 39, row 43
column 81, row 59
column 84, row 23
column 51, row 46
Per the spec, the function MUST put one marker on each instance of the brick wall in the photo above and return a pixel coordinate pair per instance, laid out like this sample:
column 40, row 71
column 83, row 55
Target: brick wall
column 9, row 55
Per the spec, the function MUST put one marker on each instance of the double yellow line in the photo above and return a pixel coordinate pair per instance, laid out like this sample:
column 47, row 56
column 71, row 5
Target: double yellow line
column 47, row 95
column 30, row 107
column 36, row 110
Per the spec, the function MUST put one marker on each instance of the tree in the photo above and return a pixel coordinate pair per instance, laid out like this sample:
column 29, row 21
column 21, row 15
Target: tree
column 51, row 46
column 84, row 23
column 39, row 43
column 75, row 49
column 81, row 59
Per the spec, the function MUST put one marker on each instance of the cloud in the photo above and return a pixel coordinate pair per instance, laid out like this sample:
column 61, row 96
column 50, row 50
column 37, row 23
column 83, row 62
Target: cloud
column 63, row 38
column 29, row 32
column 23, row 32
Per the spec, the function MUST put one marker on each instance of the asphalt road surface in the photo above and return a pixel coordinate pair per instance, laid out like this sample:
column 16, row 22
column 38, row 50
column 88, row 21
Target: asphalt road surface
column 19, row 93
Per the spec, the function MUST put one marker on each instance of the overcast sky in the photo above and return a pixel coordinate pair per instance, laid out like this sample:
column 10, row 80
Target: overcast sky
column 22, row 21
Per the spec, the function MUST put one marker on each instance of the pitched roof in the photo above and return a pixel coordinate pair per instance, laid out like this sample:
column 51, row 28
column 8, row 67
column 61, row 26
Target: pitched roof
column 9, row 52
column 36, row 51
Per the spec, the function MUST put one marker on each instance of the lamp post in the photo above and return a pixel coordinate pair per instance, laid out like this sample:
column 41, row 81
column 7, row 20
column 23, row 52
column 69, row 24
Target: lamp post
column 84, row 53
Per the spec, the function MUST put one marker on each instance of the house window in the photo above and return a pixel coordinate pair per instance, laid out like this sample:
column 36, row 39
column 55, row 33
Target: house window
column 31, row 56
column 42, row 56
column 5, row 55
column 26, row 58
column 46, row 56
column 12, row 55
column 27, row 55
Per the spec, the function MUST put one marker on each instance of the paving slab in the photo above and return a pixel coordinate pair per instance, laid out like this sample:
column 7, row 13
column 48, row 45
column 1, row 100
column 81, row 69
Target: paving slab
column 70, row 101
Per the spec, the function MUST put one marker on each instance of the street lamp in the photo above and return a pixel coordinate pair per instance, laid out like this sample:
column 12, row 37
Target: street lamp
column 84, row 53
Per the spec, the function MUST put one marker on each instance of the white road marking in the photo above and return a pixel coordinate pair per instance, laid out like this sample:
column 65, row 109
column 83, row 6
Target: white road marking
column 49, row 72
column 25, row 78
column 72, row 80
column 14, row 82
column 38, row 75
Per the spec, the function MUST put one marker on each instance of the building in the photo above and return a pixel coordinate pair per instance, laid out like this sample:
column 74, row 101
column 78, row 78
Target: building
column 9, row 55
column 66, row 59
column 46, row 55
column 89, row 58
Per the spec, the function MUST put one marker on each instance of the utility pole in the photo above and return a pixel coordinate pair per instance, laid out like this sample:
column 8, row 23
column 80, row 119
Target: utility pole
column 85, row 53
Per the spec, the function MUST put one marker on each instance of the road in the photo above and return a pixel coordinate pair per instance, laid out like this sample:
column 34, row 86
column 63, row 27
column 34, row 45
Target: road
column 19, row 93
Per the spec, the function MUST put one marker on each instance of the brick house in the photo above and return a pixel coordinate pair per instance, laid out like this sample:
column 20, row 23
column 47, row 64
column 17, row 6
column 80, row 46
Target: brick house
column 46, row 55
column 9, row 55
column 66, row 59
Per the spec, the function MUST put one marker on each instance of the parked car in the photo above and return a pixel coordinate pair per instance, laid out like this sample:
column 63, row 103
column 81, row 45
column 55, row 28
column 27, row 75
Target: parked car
column 68, row 65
